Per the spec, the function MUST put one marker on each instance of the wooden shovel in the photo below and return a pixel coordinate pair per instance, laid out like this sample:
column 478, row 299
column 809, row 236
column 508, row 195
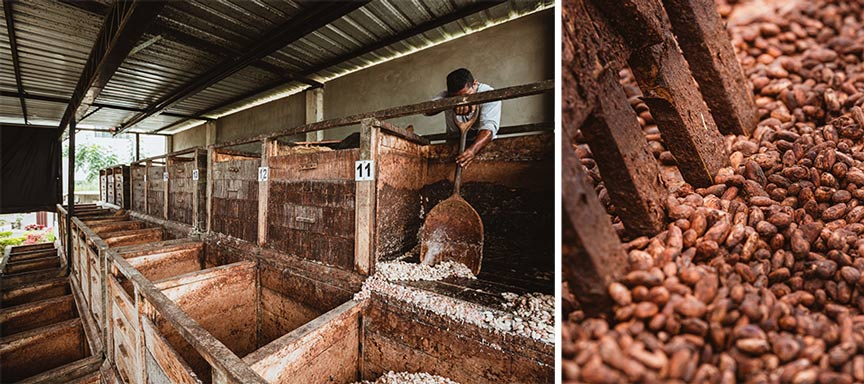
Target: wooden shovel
column 453, row 229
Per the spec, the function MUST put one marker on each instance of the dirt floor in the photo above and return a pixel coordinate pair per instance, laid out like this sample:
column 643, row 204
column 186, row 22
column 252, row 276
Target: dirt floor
column 758, row 278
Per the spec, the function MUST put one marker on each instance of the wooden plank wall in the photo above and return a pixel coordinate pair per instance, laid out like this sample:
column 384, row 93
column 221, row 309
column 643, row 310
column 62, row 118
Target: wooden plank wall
column 399, row 338
column 138, row 187
column 401, row 177
column 234, row 205
column 103, row 185
column 155, row 191
column 122, row 186
column 109, row 180
column 180, row 189
column 311, row 206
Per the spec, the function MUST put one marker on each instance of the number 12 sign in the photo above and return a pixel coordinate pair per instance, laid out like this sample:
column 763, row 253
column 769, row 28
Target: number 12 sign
column 364, row 170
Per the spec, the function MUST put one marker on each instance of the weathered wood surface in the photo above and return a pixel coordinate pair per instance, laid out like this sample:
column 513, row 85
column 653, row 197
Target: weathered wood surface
column 221, row 300
column 325, row 349
column 36, row 314
column 115, row 226
column 400, row 338
column 109, row 179
column 312, row 284
column 364, row 233
column 103, row 185
column 234, row 205
column 166, row 264
column 172, row 365
column 41, row 290
column 139, row 185
column 705, row 43
column 676, row 105
column 122, row 185
column 155, row 191
column 641, row 22
column 401, row 176
column 31, row 265
column 181, row 188
column 598, row 104
column 668, row 87
column 132, row 236
column 310, row 206
column 407, row 110
column 199, row 191
column 268, row 148
column 83, row 371
column 598, row 257
column 28, row 353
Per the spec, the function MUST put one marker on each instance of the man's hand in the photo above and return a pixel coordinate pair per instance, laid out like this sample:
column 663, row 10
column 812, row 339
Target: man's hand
column 466, row 125
column 465, row 158
column 463, row 110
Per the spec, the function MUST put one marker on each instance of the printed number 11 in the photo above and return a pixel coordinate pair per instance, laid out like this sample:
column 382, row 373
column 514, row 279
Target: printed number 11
column 364, row 170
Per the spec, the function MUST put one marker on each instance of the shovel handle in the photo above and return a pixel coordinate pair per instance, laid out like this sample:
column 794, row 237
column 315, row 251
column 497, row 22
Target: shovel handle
column 457, row 183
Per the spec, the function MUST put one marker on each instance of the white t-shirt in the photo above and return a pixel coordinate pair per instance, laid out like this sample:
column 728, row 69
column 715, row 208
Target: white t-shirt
column 489, row 119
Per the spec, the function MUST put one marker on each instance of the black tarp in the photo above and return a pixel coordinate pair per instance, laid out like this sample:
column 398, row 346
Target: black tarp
column 29, row 169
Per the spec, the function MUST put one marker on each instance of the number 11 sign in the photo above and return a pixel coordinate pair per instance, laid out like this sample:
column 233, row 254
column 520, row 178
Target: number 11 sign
column 364, row 170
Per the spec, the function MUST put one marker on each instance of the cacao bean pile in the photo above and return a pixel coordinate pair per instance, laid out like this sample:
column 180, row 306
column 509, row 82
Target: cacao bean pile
column 758, row 278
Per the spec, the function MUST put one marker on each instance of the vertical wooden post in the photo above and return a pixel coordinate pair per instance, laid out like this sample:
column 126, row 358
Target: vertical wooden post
column 629, row 170
column 70, row 198
column 669, row 89
column 268, row 148
column 168, row 162
column 199, row 190
column 140, row 348
column 706, row 45
column 599, row 258
column 211, row 159
column 147, row 186
column 364, row 206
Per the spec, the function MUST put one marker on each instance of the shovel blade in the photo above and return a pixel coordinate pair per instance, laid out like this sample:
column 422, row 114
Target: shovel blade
column 452, row 231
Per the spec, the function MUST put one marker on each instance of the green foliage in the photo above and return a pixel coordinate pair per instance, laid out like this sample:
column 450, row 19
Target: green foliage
column 49, row 237
column 12, row 241
column 91, row 158
column 5, row 234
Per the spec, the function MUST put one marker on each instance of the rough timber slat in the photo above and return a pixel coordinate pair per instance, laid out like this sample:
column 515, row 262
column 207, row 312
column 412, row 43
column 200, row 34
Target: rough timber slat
column 706, row 45
column 600, row 257
column 668, row 87
column 683, row 118
column 631, row 175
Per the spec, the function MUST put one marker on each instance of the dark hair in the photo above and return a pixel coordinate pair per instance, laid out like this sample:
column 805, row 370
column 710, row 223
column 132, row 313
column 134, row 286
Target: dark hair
column 459, row 79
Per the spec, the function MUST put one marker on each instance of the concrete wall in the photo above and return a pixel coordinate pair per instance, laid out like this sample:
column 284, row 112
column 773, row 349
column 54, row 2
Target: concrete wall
column 273, row 116
column 517, row 52
column 190, row 138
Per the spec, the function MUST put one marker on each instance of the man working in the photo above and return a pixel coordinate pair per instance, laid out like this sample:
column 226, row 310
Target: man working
column 482, row 120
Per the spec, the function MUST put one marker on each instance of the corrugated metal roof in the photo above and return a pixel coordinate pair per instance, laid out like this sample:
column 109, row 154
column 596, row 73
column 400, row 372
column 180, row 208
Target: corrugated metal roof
column 188, row 38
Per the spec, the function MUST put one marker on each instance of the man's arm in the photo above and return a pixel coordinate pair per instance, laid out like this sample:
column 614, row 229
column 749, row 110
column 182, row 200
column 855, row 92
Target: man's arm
column 487, row 125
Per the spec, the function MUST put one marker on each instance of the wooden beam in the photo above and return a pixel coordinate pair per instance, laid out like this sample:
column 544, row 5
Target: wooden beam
column 706, row 45
column 408, row 110
column 630, row 172
column 121, row 30
column 364, row 205
column 307, row 21
column 599, row 258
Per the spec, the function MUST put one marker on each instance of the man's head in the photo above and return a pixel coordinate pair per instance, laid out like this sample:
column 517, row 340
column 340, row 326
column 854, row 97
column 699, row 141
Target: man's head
column 461, row 82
